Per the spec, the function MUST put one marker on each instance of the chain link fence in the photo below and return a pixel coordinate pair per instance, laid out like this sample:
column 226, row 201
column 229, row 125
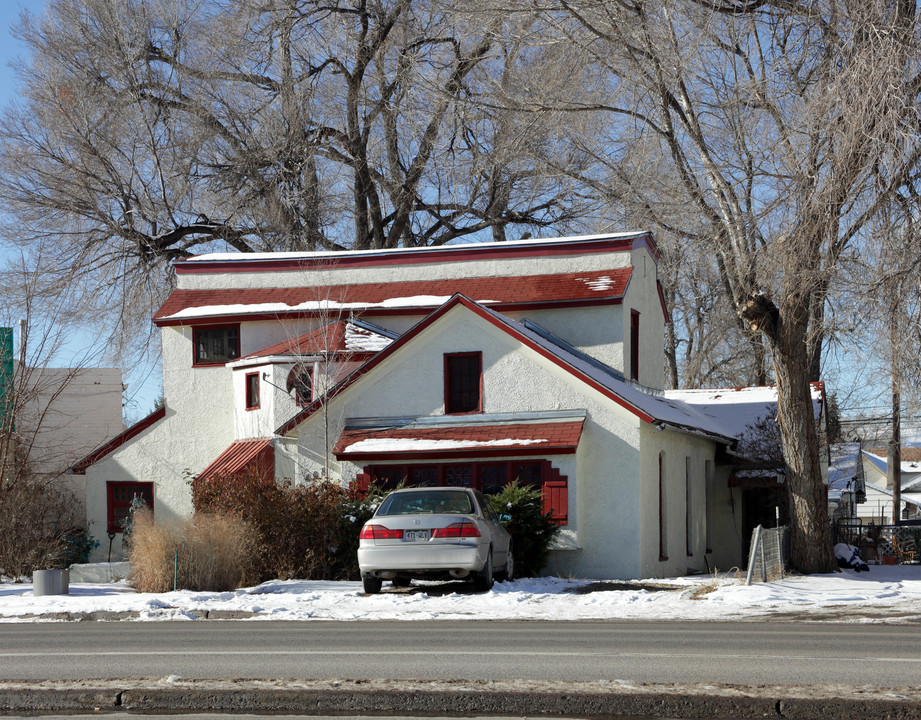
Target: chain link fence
column 769, row 556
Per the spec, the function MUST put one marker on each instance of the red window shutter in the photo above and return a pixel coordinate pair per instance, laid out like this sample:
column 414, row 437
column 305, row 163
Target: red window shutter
column 363, row 482
column 556, row 500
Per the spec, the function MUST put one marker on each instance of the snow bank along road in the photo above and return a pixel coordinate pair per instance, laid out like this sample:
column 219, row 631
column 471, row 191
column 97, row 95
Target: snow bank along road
column 582, row 669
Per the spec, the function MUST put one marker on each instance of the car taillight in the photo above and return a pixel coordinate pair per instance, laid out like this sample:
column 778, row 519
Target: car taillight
column 457, row 530
column 379, row 532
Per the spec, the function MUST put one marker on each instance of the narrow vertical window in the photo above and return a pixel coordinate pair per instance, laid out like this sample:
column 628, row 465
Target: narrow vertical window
column 634, row 345
column 252, row 391
column 688, row 508
column 463, row 379
column 708, row 491
column 663, row 524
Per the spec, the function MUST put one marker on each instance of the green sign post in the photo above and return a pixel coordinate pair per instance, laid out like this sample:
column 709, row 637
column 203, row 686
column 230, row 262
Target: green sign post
column 6, row 378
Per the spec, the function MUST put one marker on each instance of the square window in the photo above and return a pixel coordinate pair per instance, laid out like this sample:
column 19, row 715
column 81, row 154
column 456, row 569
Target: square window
column 252, row 391
column 216, row 345
column 120, row 496
column 463, row 383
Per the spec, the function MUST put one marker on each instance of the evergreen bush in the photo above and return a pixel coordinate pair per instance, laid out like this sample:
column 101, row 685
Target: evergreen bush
column 531, row 528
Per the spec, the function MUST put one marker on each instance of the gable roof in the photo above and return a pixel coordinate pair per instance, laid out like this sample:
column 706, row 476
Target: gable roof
column 421, row 440
column 336, row 337
column 645, row 405
column 413, row 297
column 112, row 445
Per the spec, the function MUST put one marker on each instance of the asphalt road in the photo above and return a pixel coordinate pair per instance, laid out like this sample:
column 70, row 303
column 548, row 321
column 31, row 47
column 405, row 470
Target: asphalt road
column 662, row 652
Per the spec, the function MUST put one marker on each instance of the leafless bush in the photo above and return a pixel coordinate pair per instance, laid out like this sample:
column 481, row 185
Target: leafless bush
column 34, row 520
column 204, row 552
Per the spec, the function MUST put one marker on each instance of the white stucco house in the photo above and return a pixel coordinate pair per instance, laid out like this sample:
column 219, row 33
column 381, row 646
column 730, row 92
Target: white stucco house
column 479, row 364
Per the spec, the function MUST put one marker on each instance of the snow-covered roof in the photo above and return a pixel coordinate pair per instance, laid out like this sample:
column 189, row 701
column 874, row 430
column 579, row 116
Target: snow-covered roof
column 342, row 336
column 738, row 410
column 648, row 405
column 330, row 256
column 911, row 461
column 844, row 467
column 414, row 296
column 459, row 438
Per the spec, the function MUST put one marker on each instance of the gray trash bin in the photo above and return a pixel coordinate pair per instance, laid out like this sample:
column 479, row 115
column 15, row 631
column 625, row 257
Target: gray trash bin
column 51, row 582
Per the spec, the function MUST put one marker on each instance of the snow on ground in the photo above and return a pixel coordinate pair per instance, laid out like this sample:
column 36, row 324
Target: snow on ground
column 884, row 594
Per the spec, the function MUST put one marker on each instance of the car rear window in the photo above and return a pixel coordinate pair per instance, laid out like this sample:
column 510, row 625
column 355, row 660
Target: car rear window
column 434, row 502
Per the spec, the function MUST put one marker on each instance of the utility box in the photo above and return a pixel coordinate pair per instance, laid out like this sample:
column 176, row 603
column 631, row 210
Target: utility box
column 51, row 582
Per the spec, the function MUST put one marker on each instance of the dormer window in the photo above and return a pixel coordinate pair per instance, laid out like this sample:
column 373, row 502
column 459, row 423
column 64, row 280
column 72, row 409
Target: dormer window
column 463, row 376
column 215, row 345
column 300, row 380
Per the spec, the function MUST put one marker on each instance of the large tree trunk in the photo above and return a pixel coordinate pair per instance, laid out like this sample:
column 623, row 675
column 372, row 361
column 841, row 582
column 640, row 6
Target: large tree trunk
column 808, row 495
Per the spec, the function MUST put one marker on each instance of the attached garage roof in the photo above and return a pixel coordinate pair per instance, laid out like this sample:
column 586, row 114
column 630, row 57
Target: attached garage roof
column 411, row 297
column 238, row 457
column 481, row 439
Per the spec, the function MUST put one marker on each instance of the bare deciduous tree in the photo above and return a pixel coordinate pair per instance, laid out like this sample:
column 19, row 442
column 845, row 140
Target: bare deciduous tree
column 151, row 130
column 769, row 133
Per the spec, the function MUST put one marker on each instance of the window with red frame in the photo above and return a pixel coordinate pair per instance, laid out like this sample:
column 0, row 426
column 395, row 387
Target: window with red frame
column 252, row 391
column 215, row 345
column 463, row 383
column 487, row 477
column 120, row 496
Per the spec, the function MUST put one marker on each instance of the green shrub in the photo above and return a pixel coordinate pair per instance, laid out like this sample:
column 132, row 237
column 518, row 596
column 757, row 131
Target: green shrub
column 355, row 511
column 532, row 529
column 205, row 552
column 78, row 546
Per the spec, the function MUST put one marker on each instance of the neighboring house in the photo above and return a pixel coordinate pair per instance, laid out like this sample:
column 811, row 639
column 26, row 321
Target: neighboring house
column 878, row 505
column 846, row 482
column 475, row 365
column 59, row 415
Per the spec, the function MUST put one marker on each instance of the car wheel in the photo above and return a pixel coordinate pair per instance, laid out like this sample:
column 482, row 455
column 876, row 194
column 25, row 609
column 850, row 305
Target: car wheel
column 484, row 579
column 401, row 582
column 372, row 585
column 508, row 572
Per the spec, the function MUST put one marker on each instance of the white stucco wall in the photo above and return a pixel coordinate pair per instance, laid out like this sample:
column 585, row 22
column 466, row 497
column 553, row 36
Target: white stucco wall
column 606, row 476
column 198, row 427
column 684, row 457
column 348, row 275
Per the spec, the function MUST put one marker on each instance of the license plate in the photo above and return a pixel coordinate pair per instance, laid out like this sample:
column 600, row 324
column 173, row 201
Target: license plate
column 414, row 535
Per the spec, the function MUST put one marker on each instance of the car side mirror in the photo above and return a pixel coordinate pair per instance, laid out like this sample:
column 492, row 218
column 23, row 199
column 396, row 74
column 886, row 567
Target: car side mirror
column 505, row 517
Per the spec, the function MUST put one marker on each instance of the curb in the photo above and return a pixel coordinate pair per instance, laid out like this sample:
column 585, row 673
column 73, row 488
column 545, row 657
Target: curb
column 470, row 699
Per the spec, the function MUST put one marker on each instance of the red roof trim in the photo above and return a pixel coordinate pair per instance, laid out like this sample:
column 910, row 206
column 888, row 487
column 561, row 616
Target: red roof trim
column 520, row 292
column 447, row 253
column 119, row 440
column 557, row 438
column 420, row 327
column 665, row 311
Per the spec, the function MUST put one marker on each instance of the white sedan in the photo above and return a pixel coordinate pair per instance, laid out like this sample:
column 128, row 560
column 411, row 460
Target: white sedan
column 434, row 533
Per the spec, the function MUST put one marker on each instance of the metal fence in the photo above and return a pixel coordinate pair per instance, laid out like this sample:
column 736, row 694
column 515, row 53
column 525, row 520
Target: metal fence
column 879, row 543
column 769, row 554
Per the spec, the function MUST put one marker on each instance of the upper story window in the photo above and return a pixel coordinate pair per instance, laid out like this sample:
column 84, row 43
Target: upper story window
column 301, row 381
column 463, row 383
column 216, row 345
column 252, row 391
column 634, row 345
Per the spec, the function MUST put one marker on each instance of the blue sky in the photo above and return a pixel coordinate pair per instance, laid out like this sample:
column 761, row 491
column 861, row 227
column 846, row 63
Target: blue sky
column 143, row 383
